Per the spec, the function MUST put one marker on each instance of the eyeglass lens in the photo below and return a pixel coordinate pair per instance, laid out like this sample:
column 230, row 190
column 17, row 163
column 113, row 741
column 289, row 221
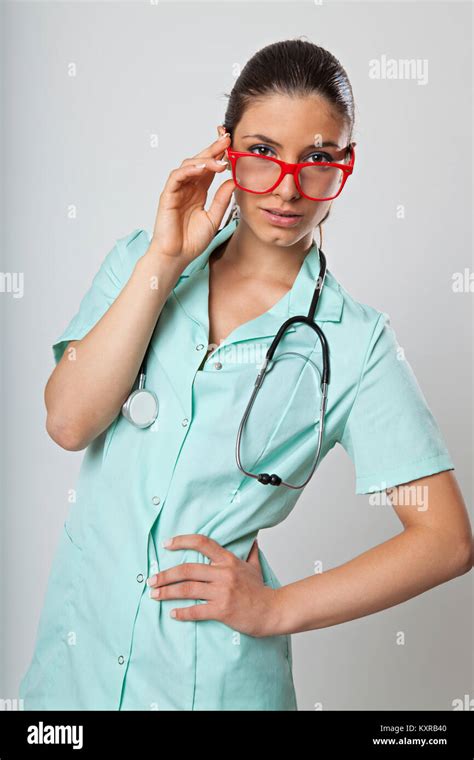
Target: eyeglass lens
column 258, row 174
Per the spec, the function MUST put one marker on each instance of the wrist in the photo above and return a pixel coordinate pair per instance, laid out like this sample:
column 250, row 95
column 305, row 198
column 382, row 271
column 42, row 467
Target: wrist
column 275, row 620
column 167, row 269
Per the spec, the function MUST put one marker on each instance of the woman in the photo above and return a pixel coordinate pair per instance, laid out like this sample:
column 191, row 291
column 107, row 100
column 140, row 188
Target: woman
column 211, row 301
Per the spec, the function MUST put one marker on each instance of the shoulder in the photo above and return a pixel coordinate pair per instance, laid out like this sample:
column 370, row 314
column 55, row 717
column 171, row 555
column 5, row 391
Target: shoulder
column 364, row 336
column 138, row 237
column 130, row 248
column 359, row 320
column 134, row 244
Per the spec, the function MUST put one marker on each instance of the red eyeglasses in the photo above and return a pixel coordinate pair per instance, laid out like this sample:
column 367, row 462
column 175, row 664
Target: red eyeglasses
column 315, row 180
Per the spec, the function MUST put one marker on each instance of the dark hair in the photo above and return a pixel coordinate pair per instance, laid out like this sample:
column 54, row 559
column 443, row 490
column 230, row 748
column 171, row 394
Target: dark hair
column 291, row 67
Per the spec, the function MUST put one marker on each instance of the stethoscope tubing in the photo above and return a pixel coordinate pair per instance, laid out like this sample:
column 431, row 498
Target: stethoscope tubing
column 265, row 478
column 274, row 479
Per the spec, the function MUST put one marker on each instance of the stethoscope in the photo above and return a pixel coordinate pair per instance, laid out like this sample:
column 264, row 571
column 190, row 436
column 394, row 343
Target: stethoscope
column 141, row 407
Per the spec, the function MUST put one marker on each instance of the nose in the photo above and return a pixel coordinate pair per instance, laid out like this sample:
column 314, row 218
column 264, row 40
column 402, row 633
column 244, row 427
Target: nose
column 287, row 188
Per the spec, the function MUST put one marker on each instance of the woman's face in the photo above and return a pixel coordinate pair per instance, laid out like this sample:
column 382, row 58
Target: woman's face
column 291, row 129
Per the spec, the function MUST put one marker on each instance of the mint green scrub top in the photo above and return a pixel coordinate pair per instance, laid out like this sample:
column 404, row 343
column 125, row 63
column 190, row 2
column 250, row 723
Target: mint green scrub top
column 102, row 643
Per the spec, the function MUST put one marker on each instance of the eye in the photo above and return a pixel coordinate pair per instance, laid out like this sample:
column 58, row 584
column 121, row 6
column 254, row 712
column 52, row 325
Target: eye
column 260, row 147
column 317, row 157
column 320, row 156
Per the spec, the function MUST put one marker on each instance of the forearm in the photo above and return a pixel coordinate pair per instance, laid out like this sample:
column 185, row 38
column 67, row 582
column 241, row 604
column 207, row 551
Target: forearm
column 392, row 572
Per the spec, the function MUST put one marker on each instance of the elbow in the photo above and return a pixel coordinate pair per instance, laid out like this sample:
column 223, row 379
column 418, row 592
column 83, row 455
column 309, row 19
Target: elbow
column 466, row 555
column 65, row 436
column 61, row 428
column 463, row 556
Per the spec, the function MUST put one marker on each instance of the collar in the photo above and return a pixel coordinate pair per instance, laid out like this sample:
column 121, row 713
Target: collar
column 192, row 294
column 299, row 296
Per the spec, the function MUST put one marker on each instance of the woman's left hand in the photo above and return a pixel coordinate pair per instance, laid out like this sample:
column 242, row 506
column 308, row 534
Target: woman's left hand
column 233, row 588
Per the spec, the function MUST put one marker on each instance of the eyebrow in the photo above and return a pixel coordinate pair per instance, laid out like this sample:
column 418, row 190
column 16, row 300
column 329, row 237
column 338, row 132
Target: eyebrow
column 326, row 144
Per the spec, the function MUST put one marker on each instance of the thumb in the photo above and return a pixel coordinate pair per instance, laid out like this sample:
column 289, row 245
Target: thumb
column 221, row 201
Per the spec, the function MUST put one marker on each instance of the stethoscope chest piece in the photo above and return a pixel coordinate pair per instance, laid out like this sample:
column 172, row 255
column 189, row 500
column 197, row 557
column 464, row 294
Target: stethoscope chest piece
column 141, row 407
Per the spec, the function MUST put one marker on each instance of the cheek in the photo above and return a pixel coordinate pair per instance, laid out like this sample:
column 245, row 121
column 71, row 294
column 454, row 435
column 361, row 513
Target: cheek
column 319, row 211
column 245, row 200
column 249, row 204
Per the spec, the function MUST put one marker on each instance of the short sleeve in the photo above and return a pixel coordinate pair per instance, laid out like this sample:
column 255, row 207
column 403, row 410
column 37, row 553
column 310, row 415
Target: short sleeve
column 390, row 434
column 106, row 285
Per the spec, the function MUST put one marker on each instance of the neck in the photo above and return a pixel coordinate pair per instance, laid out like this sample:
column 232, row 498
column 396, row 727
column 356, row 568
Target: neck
column 264, row 260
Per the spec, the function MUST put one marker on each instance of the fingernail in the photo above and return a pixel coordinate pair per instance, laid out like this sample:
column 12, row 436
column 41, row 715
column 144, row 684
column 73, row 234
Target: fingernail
column 167, row 542
column 221, row 161
column 155, row 593
column 151, row 580
column 226, row 134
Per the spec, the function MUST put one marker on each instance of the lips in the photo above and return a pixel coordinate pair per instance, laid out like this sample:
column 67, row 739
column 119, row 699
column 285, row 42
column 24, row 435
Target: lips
column 280, row 212
column 280, row 218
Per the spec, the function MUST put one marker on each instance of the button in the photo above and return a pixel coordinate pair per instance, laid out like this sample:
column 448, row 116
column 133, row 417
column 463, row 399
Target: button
column 218, row 365
column 199, row 346
column 139, row 577
column 121, row 659
column 156, row 500
column 185, row 422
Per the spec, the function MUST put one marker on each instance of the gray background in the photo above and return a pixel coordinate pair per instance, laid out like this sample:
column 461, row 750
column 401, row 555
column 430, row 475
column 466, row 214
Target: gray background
column 163, row 69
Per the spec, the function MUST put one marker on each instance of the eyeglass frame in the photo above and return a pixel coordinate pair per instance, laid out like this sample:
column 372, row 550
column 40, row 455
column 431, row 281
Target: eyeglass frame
column 293, row 169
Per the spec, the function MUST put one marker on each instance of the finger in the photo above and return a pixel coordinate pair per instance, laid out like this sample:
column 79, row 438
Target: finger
column 206, row 611
column 185, row 571
column 212, row 162
column 215, row 150
column 186, row 590
column 218, row 146
column 202, row 544
column 191, row 172
column 220, row 202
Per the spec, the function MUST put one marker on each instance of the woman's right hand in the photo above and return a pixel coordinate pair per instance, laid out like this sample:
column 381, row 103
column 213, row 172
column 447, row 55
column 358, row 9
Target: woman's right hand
column 183, row 228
